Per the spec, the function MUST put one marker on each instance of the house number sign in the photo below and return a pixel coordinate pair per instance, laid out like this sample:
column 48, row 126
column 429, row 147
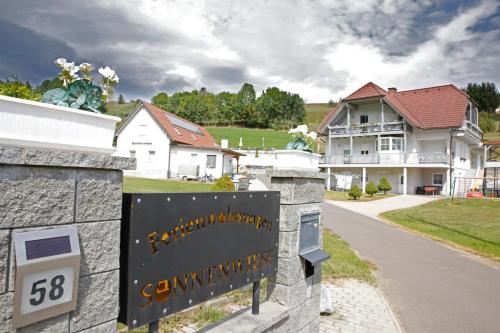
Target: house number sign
column 47, row 270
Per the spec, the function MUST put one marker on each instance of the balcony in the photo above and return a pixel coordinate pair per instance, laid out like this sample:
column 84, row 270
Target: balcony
column 386, row 158
column 389, row 127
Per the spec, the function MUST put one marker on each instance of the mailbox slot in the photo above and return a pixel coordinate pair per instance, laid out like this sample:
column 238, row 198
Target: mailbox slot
column 309, row 245
column 47, row 271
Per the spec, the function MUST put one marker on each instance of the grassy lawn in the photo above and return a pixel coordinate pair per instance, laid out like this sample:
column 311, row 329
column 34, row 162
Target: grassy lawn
column 132, row 184
column 252, row 137
column 473, row 224
column 344, row 262
column 119, row 110
column 315, row 112
column 491, row 136
column 343, row 196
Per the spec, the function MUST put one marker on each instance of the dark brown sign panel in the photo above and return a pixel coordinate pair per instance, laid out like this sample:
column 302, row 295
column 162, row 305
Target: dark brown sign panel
column 180, row 249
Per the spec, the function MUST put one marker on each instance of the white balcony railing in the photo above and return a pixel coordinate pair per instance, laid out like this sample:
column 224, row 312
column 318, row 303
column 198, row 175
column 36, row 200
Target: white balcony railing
column 395, row 126
column 386, row 158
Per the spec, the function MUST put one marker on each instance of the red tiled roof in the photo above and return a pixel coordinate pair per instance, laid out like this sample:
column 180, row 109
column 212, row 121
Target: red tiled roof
column 179, row 134
column 433, row 107
column 329, row 117
column 368, row 90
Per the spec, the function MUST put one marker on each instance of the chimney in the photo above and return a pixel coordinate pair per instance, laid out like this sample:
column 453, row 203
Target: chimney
column 393, row 89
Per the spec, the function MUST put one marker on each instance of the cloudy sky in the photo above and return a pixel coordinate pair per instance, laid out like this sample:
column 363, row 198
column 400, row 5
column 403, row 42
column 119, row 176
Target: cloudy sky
column 320, row 49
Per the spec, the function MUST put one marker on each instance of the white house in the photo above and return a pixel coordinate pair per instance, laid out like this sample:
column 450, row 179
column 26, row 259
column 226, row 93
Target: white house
column 167, row 146
column 416, row 138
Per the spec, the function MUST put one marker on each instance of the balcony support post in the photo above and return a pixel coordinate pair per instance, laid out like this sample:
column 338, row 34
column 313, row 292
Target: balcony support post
column 405, row 181
column 363, row 183
column 448, row 182
column 328, row 180
column 381, row 114
column 348, row 116
column 350, row 148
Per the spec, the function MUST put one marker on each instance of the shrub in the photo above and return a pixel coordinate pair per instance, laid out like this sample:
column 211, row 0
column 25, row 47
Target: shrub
column 384, row 185
column 223, row 184
column 355, row 192
column 371, row 189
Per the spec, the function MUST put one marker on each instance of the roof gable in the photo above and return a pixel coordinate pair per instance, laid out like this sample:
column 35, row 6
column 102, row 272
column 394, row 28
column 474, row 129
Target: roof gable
column 368, row 90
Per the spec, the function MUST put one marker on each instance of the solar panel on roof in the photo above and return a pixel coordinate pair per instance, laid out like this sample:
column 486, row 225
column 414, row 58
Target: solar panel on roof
column 183, row 124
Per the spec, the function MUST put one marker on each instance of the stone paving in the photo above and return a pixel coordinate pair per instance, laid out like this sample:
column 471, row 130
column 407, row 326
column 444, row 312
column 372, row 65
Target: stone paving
column 359, row 308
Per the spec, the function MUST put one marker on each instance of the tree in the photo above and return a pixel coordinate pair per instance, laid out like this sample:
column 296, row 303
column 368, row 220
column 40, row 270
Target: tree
column 47, row 85
column 13, row 87
column 331, row 102
column 487, row 122
column 279, row 109
column 371, row 189
column 355, row 192
column 485, row 95
column 160, row 100
column 121, row 100
column 384, row 185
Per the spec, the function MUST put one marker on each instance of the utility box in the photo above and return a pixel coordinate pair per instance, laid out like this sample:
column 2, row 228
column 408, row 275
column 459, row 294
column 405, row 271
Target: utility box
column 47, row 271
column 309, row 245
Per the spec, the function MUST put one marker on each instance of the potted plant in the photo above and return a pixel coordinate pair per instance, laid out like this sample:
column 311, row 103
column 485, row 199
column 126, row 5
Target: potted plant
column 67, row 118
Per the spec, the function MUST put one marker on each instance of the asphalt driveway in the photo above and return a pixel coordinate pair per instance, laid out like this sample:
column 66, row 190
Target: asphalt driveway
column 430, row 287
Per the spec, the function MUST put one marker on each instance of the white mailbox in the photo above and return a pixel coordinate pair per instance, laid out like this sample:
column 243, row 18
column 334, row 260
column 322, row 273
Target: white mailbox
column 47, row 271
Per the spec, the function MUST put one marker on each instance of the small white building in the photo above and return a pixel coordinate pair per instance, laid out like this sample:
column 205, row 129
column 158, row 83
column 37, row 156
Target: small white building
column 167, row 146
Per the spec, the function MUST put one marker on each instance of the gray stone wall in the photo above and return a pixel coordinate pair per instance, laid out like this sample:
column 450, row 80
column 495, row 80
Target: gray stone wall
column 301, row 192
column 43, row 188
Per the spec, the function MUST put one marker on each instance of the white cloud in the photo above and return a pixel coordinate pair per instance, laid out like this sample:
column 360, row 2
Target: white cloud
column 320, row 49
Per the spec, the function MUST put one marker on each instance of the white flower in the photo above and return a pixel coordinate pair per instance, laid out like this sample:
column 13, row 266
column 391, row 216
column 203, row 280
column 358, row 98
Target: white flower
column 86, row 67
column 108, row 73
column 312, row 135
column 302, row 129
column 61, row 62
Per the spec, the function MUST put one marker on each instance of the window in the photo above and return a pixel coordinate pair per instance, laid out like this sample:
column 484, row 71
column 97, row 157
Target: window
column 397, row 143
column 363, row 119
column 211, row 161
column 385, row 143
column 132, row 154
column 194, row 158
column 152, row 154
column 437, row 179
column 364, row 152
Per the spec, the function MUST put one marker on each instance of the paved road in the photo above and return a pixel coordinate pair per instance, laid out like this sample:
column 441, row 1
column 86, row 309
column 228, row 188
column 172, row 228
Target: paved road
column 430, row 287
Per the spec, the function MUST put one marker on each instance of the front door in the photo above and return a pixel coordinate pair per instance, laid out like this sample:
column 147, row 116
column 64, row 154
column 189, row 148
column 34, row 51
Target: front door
column 400, row 183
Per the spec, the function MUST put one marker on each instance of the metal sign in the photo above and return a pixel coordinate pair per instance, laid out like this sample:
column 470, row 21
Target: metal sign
column 47, row 271
column 180, row 249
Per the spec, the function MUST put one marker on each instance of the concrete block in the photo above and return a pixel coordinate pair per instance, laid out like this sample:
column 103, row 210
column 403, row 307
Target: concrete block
column 98, row 195
column 289, row 271
column 4, row 259
column 97, row 301
column 6, row 312
column 290, row 296
column 290, row 215
column 288, row 244
column 33, row 196
column 305, row 313
column 11, row 155
column 298, row 190
column 65, row 158
column 55, row 324
column 99, row 246
column 314, row 326
column 109, row 327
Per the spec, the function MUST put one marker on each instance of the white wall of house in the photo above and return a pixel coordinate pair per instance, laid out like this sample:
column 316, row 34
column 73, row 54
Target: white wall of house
column 280, row 159
column 196, row 156
column 144, row 139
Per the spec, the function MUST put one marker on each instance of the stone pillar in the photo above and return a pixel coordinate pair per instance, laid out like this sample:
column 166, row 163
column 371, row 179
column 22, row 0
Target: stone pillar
column 42, row 188
column 301, row 192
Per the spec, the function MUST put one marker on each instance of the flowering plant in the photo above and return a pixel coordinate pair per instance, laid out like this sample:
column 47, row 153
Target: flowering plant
column 81, row 92
column 303, row 140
